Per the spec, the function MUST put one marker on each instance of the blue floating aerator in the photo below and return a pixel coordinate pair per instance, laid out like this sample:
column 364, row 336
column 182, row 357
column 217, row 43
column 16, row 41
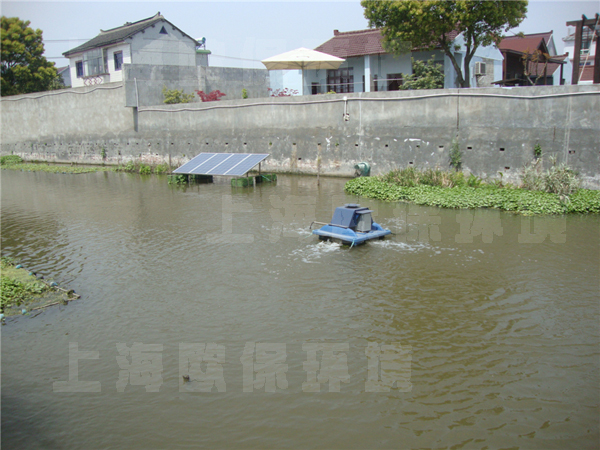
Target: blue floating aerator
column 351, row 224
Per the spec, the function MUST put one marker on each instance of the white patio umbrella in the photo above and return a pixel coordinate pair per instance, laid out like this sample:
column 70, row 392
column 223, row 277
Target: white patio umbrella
column 302, row 58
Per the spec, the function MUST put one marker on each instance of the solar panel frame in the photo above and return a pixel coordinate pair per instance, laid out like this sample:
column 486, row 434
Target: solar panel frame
column 224, row 164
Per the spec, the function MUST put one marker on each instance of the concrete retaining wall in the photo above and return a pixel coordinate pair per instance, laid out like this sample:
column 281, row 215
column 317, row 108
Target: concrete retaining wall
column 496, row 129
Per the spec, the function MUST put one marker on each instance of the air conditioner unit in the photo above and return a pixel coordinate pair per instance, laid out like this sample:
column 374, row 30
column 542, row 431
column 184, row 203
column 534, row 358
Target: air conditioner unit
column 479, row 68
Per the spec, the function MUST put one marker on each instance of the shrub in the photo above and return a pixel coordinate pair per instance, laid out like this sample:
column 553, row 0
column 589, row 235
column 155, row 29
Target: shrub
column 129, row 167
column 244, row 93
column 213, row 96
column 145, row 169
column 559, row 179
column 161, row 168
column 537, row 150
column 455, row 155
column 426, row 75
column 173, row 96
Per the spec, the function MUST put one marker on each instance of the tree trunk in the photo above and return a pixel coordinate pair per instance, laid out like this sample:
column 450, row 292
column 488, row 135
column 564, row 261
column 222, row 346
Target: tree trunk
column 467, row 82
column 459, row 78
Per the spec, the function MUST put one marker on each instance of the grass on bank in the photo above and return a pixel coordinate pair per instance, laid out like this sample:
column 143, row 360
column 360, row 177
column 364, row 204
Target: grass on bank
column 15, row 162
column 555, row 191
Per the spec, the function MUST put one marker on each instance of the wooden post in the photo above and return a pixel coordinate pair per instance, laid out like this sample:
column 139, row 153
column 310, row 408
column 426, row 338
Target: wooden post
column 578, row 38
column 597, row 54
column 318, row 164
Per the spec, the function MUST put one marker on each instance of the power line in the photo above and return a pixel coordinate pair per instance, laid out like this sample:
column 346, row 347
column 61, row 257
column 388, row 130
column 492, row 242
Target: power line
column 64, row 40
column 233, row 57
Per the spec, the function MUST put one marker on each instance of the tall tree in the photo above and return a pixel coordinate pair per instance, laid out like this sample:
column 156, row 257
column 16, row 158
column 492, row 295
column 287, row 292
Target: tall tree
column 23, row 67
column 428, row 24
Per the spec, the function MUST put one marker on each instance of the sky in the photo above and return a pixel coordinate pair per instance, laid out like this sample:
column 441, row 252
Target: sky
column 241, row 33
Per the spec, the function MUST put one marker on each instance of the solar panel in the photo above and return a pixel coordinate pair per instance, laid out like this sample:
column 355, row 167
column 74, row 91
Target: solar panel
column 233, row 164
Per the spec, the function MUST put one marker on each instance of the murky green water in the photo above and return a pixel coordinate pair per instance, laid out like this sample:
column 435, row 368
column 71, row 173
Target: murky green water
column 463, row 330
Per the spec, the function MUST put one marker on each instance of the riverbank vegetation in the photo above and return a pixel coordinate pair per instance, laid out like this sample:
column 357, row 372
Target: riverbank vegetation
column 22, row 291
column 18, row 287
column 14, row 162
column 555, row 191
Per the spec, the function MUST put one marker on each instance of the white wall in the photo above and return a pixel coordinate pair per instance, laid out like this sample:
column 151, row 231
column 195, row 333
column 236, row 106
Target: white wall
column 117, row 75
column 171, row 49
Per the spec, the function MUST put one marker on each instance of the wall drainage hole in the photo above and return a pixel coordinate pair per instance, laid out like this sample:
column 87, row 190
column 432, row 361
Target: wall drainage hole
column 469, row 148
column 506, row 168
column 501, row 149
column 571, row 152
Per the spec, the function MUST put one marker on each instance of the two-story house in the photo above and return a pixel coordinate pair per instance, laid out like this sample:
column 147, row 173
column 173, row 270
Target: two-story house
column 152, row 41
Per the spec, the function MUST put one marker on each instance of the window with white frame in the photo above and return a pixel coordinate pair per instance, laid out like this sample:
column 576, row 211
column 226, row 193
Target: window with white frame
column 94, row 62
column 79, row 69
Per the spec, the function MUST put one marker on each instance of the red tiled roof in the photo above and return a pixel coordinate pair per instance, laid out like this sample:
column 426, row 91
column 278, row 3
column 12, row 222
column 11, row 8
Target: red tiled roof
column 538, row 68
column 588, row 73
column 524, row 44
column 358, row 43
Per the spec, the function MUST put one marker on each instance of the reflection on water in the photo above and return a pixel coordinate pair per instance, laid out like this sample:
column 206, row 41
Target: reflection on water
column 492, row 319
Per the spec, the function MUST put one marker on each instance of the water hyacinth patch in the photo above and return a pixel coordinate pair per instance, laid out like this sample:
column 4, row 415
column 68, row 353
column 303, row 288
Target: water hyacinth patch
column 486, row 196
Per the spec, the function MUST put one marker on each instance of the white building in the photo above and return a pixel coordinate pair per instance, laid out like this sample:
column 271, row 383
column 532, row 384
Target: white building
column 586, row 54
column 152, row 41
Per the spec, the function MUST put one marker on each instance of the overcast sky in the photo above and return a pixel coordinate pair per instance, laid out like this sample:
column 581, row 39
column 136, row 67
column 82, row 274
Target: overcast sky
column 241, row 33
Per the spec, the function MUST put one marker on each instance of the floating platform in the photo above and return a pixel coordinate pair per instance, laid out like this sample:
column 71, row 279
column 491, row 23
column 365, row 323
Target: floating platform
column 353, row 225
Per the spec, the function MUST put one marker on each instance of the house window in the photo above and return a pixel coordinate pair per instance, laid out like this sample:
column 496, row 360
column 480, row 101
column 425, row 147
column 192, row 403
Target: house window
column 79, row 69
column 94, row 62
column 394, row 81
column 163, row 31
column 341, row 80
column 118, row 56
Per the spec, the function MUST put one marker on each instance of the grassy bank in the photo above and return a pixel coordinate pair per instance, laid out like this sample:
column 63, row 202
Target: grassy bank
column 472, row 193
column 14, row 162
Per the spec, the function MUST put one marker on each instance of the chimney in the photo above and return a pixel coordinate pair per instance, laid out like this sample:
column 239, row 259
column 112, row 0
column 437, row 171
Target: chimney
column 336, row 32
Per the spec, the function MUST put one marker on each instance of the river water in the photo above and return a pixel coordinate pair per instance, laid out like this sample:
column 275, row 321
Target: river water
column 465, row 329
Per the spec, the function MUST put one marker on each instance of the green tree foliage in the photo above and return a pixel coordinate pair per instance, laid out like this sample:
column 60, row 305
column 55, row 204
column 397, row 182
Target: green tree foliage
column 24, row 69
column 426, row 24
column 426, row 75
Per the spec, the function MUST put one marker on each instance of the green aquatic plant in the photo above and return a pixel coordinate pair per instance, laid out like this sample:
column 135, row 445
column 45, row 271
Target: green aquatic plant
column 10, row 159
column 486, row 196
column 145, row 169
column 161, row 169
